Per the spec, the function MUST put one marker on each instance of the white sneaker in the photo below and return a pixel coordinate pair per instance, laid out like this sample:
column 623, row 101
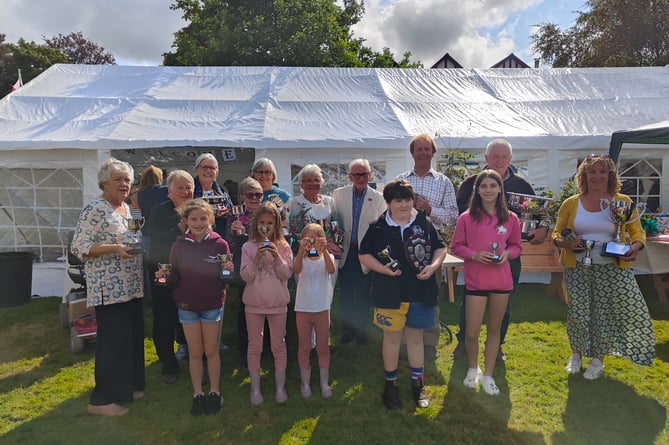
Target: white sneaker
column 574, row 365
column 489, row 386
column 595, row 370
column 473, row 378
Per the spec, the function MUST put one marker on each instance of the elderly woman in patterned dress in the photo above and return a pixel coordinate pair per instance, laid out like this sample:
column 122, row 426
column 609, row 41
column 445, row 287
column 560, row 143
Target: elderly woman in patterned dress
column 607, row 313
column 313, row 207
column 114, row 286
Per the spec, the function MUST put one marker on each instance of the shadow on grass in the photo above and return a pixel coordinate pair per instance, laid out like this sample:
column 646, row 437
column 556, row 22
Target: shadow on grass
column 662, row 352
column 608, row 411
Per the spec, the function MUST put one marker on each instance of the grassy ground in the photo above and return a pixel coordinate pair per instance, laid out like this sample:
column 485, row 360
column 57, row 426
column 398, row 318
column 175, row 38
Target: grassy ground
column 44, row 389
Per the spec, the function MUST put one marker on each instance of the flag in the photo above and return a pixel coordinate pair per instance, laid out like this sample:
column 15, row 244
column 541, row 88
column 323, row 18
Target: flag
column 18, row 84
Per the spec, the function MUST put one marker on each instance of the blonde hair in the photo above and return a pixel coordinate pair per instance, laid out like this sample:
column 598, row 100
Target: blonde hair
column 197, row 204
column 267, row 208
column 315, row 228
column 613, row 184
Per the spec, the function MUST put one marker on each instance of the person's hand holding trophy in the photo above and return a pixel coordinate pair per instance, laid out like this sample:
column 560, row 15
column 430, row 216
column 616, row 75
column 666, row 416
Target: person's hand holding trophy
column 227, row 267
column 163, row 274
column 620, row 213
column 390, row 262
column 134, row 225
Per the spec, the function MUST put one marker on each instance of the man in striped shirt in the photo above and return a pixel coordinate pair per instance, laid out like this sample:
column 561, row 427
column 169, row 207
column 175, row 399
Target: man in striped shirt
column 436, row 196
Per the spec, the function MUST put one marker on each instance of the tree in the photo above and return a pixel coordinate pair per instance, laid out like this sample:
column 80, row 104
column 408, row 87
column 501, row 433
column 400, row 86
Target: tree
column 610, row 33
column 273, row 32
column 79, row 49
column 32, row 59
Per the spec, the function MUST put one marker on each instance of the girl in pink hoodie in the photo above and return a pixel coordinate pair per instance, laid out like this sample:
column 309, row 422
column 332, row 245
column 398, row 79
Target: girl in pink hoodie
column 267, row 263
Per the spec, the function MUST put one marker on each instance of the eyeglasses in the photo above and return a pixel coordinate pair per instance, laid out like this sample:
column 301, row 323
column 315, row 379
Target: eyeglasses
column 360, row 175
column 251, row 195
column 207, row 167
column 263, row 172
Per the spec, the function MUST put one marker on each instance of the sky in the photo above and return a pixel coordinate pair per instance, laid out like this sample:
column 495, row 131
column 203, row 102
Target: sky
column 477, row 33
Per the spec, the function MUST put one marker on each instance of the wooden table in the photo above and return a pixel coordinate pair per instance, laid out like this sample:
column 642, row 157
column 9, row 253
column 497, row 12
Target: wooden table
column 654, row 258
column 542, row 257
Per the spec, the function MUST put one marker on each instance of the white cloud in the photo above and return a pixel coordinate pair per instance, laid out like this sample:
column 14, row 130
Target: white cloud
column 136, row 32
column 474, row 32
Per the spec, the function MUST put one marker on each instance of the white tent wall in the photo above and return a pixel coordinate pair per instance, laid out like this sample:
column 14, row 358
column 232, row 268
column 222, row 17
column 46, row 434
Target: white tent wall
column 75, row 116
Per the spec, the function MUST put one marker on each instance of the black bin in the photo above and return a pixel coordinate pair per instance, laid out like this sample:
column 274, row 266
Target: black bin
column 16, row 276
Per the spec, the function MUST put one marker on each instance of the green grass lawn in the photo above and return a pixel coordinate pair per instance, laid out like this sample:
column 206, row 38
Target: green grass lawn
column 44, row 390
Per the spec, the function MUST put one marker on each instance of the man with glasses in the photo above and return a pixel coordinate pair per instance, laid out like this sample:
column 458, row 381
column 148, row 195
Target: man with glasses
column 357, row 205
column 436, row 196
column 498, row 157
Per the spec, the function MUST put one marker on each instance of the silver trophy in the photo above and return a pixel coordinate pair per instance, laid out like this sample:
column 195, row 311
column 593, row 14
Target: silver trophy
column 134, row 225
column 385, row 254
column 312, row 252
column 529, row 207
column 588, row 244
column 166, row 270
column 620, row 213
column 495, row 258
column 224, row 258
column 237, row 211
column 265, row 231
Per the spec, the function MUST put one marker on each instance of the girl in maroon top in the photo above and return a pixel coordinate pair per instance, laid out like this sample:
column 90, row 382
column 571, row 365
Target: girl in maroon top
column 199, row 297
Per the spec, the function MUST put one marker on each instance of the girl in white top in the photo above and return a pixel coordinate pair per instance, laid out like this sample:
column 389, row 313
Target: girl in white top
column 313, row 266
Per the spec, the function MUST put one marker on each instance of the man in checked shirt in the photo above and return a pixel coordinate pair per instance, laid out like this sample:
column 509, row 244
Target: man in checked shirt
column 436, row 196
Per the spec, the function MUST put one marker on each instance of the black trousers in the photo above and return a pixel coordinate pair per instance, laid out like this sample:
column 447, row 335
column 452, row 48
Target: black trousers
column 165, row 321
column 354, row 298
column 119, row 352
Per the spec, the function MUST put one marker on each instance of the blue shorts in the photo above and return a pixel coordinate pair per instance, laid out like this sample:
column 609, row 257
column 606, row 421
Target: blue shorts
column 412, row 315
column 211, row 316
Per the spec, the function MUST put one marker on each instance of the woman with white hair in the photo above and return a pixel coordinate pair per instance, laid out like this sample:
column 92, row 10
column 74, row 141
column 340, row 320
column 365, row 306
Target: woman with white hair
column 114, row 286
column 206, row 172
column 312, row 207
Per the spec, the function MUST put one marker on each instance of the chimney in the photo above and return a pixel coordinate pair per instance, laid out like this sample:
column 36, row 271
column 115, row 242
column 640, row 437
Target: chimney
column 536, row 62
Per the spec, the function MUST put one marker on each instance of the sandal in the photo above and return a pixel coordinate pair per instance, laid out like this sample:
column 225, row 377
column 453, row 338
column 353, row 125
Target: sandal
column 489, row 386
column 595, row 370
column 473, row 378
column 574, row 365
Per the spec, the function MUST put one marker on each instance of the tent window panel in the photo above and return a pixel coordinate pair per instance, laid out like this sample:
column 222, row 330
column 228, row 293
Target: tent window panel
column 70, row 217
column 24, row 217
column 27, row 236
column 49, row 217
column 641, row 181
column 335, row 175
column 22, row 197
column 47, row 197
column 4, row 196
column 49, row 236
column 72, row 198
column 72, row 178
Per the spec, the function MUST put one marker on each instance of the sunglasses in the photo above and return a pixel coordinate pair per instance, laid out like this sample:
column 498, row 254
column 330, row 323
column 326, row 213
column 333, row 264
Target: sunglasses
column 251, row 195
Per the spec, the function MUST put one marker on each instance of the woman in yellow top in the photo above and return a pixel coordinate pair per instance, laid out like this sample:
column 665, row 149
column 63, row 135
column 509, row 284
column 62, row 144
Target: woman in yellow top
column 607, row 313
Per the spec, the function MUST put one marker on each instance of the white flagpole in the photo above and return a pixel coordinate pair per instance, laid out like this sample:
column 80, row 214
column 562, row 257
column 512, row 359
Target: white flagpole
column 19, row 82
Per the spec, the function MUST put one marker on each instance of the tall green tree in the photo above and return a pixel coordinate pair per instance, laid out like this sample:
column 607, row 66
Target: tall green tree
column 609, row 33
column 273, row 32
column 32, row 59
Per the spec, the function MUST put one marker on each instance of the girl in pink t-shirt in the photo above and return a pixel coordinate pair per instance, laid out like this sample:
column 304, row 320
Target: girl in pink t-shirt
column 486, row 236
column 266, row 265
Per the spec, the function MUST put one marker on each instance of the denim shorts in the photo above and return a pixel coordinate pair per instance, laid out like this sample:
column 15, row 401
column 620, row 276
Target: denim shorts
column 210, row 316
column 413, row 315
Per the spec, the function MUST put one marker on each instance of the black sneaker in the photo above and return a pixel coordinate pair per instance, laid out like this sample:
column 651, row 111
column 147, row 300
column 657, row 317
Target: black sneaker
column 212, row 404
column 198, row 405
column 419, row 394
column 391, row 395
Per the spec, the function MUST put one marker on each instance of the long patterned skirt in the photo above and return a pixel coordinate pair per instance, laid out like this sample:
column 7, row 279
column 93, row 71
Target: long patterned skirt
column 607, row 314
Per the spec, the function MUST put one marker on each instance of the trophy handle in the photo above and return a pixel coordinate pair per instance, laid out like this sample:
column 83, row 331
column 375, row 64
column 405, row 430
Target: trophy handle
column 641, row 209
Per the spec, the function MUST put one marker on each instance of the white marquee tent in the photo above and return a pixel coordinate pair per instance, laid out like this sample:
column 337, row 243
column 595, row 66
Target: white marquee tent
column 57, row 128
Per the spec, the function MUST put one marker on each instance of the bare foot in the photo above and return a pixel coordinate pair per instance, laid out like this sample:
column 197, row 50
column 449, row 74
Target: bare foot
column 111, row 409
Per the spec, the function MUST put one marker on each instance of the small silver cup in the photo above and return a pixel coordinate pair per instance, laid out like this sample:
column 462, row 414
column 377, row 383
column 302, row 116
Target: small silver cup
column 495, row 258
column 588, row 244
column 385, row 254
